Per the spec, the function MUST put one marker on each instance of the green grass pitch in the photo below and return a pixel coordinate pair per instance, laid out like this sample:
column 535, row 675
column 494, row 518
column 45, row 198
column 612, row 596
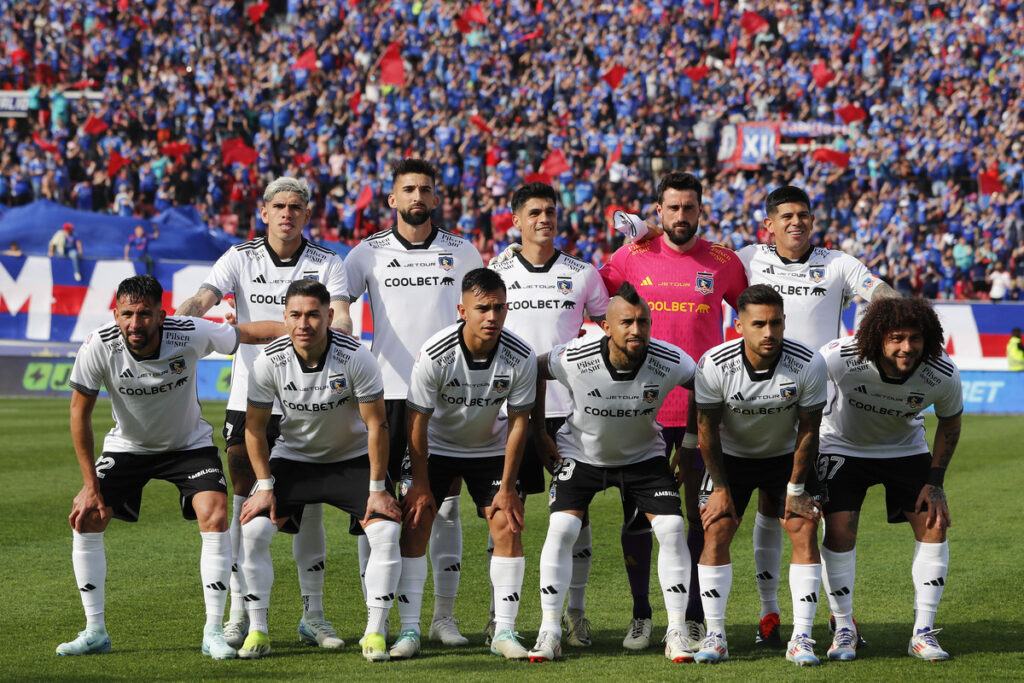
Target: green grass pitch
column 155, row 609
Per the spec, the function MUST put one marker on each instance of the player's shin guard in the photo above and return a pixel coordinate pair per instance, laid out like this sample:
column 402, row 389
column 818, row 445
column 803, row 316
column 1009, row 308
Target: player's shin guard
column 382, row 573
column 363, row 548
column 804, row 582
column 931, row 562
column 841, row 571
column 507, row 579
column 582, row 554
column 673, row 566
column 446, row 556
column 636, row 552
column 715, row 584
column 259, row 569
column 555, row 560
column 767, row 561
column 215, row 572
column 410, row 591
column 89, row 559
column 309, row 548
column 238, row 587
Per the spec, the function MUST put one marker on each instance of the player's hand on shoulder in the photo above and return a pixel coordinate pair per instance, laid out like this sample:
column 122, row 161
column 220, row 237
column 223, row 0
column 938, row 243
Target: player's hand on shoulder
column 381, row 503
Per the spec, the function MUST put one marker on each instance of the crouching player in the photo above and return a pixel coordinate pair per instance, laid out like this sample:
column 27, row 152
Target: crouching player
column 759, row 403
column 333, row 449
column 617, row 383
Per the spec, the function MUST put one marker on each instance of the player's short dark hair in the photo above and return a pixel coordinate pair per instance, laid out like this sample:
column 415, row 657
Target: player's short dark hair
column 308, row 287
column 886, row 315
column 418, row 166
column 759, row 295
column 787, row 194
column 678, row 180
column 627, row 292
column 536, row 190
column 482, row 280
column 141, row 288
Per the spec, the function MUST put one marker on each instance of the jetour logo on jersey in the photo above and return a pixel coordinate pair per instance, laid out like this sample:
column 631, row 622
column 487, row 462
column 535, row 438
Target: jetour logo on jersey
column 446, row 261
column 705, row 283
column 651, row 393
column 176, row 365
column 337, row 383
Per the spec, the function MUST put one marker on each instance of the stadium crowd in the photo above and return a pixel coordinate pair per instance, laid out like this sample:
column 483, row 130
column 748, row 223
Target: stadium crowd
column 931, row 198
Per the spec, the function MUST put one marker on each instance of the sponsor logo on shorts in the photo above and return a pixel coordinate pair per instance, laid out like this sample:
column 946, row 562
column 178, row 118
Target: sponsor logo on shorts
column 666, row 494
column 203, row 473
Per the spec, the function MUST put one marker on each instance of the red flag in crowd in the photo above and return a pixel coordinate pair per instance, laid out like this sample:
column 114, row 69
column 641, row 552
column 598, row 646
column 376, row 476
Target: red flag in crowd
column 302, row 159
column 481, row 125
column 236, row 151
column 307, row 60
column 493, row 156
column 555, row 164
column 44, row 145
column 122, row 5
column 364, row 198
column 753, row 23
column 538, row 7
column 989, row 183
column 94, row 125
column 851, row 113
column 822, row 76
column 83, row 84
column 462, row 25
column 697, row 73
column 734, row 47
column 856, row 36
column 716, row 12
column 392, row 69
column 257, row 11
column 116, row 163
column 616, row 155
column 475, row 15
column 176, row 150
column 354, row 100
column 614, row 75
column 530, row 36
column 537, row 178
column 831, row 156
column 19, row 56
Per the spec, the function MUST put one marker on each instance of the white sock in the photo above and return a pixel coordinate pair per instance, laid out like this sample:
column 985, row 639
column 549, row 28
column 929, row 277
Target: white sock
column 715, row 584
column 931, row 562
column 804, row 581
column 89, row 560
column 841, row 570
column 309, row 548
column 555, row 561
column 383, row 573
column 446, row 556
column 258, row 619
column 767, row 561
column 410, row 591
column 215, row 572
column 507, row 579
column 490, row 556
column 673, row 566
column 363, row 545
column 257, row 534
column 582, row 554
column 238, row 587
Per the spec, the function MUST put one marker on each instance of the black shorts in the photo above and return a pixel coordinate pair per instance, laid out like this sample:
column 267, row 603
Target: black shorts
column 771, row 475
column 342, row 484
column 398, row 454
column 846, row 479
column 531, row 469
column 234, row 429
column 482, row 477
column 648, row 486
column 122, row 476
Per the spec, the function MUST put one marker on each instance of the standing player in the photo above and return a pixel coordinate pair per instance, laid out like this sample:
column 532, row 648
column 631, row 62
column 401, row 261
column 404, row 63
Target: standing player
column 684, row 278
column 759, row 402
column 148, row 364
column 873, row 433
column 547, row 297
column 617, row 383
column 816, row 285
column 462, row 378
column 258, row 272
column 333, row 449
column 411, row 273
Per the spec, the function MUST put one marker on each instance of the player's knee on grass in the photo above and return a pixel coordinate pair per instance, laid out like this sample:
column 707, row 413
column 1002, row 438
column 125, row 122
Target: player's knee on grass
column 211, row 508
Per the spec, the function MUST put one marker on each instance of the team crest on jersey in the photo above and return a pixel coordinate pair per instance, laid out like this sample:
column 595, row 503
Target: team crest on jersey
column 651, row 393
column 564, row 286
column 915, row 400
column 310, row 275
column 868, row 283
column 501, row 383
column 833, row 344
column 816, row 273
column 446, row 261
column 338, row 384
column 176, row 366
column 705, row 283
column 787, row 392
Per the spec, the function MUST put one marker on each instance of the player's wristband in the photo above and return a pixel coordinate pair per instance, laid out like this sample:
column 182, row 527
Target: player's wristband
column 265, row 484
column 376, row 485
column 794, row 489
column 690, row 440
column 936, row 475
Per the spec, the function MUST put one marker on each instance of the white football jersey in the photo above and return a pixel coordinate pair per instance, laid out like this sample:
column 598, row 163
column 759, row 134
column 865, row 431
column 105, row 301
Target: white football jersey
column 154, row 400
column 464, row 397
column 759, row 409
column 259, row 279
column 613, row 421
column 816, row 288
column 871, row 416
column 321, row 421
column 414, row 291
column 546, row 305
